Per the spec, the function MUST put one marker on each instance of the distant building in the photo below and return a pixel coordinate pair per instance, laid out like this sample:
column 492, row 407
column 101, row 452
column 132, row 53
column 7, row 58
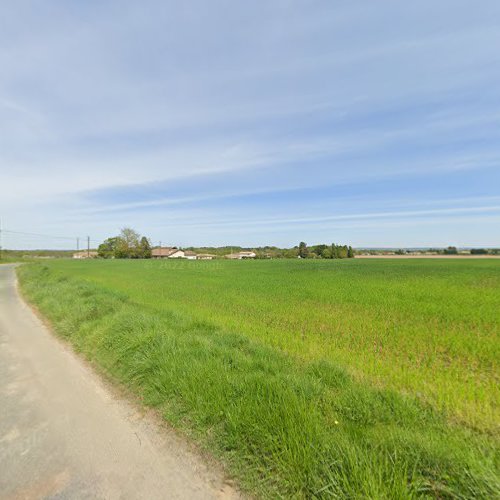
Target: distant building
column 188, row 254
column 178, row 254
column 84, row 254
column 206, row 256
column 167, row 253
column 241, row 255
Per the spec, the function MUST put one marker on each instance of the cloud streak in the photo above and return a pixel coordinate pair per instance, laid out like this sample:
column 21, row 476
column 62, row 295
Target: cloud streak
column 123, row 112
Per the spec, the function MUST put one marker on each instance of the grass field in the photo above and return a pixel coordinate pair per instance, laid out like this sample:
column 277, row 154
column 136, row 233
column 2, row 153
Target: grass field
column 345, row 378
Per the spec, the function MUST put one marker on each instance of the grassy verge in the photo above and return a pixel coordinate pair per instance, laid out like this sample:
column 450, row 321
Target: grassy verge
column 284, row 427
column 9, row 260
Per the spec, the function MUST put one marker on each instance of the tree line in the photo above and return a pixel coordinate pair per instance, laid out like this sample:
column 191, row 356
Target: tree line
column 129, row 244
column 323, row 251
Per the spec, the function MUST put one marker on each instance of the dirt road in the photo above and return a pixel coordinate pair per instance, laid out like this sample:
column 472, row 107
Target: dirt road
column 65, row 434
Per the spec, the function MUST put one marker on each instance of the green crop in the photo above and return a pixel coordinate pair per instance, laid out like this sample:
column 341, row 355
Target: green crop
column 350, row 379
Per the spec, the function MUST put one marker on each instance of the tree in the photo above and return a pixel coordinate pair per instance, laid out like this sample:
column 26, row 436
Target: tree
column 303, row 250
column 144, row 248
column 107, row 249
column 334, row 251
column 326, row 253
column 129, row 243
column 451, row 251
column 291, row 253
column 318, row 250
column 350, row 252
column 342, row 251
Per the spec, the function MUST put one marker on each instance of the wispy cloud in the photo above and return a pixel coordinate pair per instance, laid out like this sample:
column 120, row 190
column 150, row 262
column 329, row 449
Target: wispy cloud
column 110, row 114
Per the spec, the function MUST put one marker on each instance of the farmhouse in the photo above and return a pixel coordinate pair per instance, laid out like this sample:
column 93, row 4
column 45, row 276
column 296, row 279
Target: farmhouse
column 188, row 254
column 84, row 254
column 242, row 255
column 167, row 253
column 206, row 256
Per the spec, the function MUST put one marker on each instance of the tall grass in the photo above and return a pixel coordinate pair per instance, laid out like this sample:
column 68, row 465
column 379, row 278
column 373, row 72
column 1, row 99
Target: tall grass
column 285, row 425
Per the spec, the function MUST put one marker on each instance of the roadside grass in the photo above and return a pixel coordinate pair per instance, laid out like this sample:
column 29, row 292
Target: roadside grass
column 9, row 260
column 285, row 426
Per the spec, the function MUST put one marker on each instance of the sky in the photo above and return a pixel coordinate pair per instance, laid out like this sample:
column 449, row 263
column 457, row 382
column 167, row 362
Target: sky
column 374, row 124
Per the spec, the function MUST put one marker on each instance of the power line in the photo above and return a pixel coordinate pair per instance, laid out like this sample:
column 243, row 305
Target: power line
column 40, row 235
column 28, row 238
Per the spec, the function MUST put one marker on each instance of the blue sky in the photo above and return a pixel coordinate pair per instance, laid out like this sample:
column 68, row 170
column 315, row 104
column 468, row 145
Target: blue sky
column 252, row 123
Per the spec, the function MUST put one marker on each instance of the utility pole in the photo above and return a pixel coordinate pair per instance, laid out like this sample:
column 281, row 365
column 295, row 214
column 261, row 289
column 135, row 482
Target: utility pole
column 88, row 247
column 77, row 245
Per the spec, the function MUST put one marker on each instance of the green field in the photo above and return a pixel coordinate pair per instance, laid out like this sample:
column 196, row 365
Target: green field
column 352, row 378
